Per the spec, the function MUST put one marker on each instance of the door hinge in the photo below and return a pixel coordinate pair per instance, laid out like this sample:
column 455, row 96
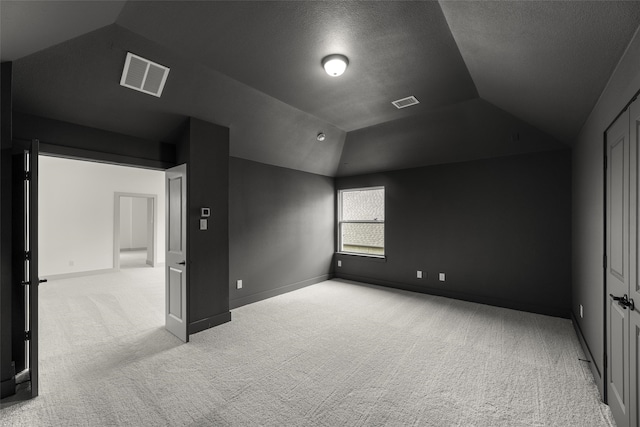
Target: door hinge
column 605, row 162
column 604, row 261
column 27, row 176
column 27, row 256
column 605, row 361
column 27, row 335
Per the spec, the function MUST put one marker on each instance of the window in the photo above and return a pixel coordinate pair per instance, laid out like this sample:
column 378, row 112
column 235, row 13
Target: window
column 361, row 221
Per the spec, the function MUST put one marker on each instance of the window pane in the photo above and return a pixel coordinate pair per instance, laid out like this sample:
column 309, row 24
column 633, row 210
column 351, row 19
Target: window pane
column 363, row 238
column 363, row 205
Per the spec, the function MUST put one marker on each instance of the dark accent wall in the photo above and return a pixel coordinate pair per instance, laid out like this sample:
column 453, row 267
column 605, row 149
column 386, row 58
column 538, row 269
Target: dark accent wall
column 7, row 371
column 500, row 230
column 82, row 142
column 205, row 149
column 281, row 230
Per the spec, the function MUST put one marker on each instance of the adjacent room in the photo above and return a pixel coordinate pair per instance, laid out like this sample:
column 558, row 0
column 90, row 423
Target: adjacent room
column 319, row 213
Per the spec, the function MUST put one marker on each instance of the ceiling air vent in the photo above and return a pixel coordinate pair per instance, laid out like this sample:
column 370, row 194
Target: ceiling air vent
column 143, row 75
column 405, row 102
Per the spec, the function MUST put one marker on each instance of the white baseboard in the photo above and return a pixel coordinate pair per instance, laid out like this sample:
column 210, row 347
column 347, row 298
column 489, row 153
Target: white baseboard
column 77, row 274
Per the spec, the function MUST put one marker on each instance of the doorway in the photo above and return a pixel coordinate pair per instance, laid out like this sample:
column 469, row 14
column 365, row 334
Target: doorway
column 135, row 231
column 88, row 304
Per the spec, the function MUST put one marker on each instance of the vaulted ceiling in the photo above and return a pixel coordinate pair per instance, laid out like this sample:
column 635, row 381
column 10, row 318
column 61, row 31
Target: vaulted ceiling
column 493, row 78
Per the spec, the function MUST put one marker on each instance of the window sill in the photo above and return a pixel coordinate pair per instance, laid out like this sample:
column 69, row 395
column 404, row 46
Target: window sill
column 372, row 257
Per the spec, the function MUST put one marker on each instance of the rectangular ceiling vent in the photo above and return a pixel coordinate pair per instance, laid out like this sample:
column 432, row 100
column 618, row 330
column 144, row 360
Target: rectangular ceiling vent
column 143, row 75
column 405, row 102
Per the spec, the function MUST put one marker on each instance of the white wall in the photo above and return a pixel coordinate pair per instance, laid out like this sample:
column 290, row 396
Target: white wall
column 125, row 223
column 133, row 223
column 138, row 223
column 76, row 212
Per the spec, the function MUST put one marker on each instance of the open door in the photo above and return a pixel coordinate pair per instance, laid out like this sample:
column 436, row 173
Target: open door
column 25, row 260
column 176, row 316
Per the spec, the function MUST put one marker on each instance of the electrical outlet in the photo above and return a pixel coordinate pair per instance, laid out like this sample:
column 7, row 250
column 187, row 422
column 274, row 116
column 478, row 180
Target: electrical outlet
column 419, row 274
column 238, row 284
column 441, row 277
column 339, row 263
column 581, row 312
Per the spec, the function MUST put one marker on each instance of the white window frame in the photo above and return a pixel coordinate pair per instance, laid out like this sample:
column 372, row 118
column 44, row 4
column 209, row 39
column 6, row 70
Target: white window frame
column 341, row 221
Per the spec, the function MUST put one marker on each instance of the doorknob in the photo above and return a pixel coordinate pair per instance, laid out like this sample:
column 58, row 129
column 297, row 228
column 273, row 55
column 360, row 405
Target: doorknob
column 28, row 283
column 182, row 263
column 624, row 301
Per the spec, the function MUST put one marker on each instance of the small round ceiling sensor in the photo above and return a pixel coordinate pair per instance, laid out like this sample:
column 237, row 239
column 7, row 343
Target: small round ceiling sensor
column 321, row 137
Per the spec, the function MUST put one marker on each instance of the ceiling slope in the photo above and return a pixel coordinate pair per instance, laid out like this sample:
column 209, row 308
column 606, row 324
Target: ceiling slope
column 395, row 49
column 27, row 27
column 546, row 62
column 471, row 130
column 255, row 67
column 81, row 85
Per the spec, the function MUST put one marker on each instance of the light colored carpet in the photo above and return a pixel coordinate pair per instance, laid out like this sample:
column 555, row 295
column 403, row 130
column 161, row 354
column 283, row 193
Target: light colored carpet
column 332, row 354
column 133, row 259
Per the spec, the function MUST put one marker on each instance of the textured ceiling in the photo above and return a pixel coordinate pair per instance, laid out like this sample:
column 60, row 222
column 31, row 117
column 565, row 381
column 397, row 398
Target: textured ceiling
column 483, row 72
column 395, row 49
column 82, row 85
column 544, row 61
column 470, row 130
column 30, row 26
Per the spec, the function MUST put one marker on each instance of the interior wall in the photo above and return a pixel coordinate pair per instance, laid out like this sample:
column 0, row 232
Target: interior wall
column 7, row 371
column 69, row 140
column 133, row 223
column 500, row 230
column 138, row 223
column 76, row 212
column 205, row 148
column 588, row 203
column 281, row 230
column 125, row 223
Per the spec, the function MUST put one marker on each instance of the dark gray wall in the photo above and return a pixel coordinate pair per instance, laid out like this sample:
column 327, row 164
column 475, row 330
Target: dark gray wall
column 205, row 149
column 7, row 382
column 588, row 209
column 281, row 230
column 82, row 142
column 500, row 229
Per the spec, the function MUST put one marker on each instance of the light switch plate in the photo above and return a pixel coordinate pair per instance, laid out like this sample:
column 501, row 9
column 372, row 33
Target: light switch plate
column 419, row 274
column 441, row 277
column 203, row 224
column 239, row 284
column 339, row 263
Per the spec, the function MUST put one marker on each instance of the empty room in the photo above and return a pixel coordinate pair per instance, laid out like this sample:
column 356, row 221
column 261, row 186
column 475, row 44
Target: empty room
column 319, row 213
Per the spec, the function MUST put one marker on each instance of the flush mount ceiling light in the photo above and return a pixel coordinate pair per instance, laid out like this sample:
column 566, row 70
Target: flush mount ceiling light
column 321, row 137
column 335, row 65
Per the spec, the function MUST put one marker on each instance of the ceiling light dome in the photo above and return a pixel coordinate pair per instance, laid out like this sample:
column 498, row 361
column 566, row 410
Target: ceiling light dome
column 335, row 65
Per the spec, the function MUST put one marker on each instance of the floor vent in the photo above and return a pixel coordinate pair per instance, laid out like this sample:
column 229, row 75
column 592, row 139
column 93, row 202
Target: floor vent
column 405, row 102
column 143, row 75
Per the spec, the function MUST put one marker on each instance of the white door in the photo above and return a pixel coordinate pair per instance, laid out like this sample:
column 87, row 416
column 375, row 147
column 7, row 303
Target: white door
column 176, row 316
column 634, row 283
column 618, row 269
column 623, row 281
